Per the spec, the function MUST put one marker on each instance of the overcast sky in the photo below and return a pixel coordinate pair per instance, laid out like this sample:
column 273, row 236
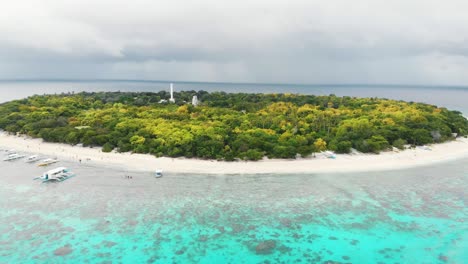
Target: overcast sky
column 312, row 41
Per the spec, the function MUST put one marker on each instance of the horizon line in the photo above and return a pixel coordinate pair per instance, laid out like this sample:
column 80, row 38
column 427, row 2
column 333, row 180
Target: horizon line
column 225, row 82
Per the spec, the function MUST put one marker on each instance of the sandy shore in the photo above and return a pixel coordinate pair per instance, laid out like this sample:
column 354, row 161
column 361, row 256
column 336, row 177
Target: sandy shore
column 343, row 163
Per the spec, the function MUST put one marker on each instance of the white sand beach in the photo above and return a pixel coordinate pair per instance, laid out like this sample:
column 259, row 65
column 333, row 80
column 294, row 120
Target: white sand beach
column 343, row 163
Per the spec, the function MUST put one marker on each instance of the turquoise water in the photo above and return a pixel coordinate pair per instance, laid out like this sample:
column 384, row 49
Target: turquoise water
column 409, row 216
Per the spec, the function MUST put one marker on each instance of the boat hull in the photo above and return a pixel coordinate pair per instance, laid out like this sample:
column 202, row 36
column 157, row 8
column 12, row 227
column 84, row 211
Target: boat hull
column 58, row 179
column 15, row 158
column 46, row 164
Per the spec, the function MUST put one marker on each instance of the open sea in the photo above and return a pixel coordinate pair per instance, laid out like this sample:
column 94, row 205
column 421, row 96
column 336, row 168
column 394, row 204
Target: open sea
column 415, row 215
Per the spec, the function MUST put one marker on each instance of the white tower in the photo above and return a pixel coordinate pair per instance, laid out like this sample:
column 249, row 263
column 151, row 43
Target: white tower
column 172, row 100
column 194, row 100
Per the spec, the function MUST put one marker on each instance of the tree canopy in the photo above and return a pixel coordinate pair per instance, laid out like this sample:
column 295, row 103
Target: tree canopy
column 229, row 126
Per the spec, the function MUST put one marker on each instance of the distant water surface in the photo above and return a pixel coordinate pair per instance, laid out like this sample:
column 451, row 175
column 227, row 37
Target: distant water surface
column 451, row 97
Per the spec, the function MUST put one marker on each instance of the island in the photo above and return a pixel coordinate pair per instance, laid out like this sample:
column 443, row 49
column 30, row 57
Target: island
column 230, row 126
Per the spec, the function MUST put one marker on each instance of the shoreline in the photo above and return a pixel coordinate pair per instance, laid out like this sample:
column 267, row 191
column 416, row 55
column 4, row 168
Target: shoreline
column 384, row 161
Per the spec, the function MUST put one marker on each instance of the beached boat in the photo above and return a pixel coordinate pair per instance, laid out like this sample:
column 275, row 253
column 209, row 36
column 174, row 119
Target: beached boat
column 32, row 159
column 158, row 173
column 56, row 175
column 47, row 162
column 13, row 157
column 329, row 154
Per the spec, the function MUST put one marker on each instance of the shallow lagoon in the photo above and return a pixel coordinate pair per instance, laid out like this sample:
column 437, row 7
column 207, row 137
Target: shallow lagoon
column 408, row 216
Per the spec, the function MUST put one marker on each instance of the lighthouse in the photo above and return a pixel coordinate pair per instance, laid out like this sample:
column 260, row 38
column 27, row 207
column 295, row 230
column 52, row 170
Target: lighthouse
column 172, row 100
column 194, row 100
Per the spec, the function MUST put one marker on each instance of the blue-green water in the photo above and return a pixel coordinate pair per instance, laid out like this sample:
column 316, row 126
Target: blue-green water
column 408, row 216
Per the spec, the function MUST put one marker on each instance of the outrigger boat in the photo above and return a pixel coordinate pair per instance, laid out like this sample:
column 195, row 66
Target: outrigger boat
column 158, row 173
column 13, row 157
column 56, row 175
column 32, row 159
column 47, row 162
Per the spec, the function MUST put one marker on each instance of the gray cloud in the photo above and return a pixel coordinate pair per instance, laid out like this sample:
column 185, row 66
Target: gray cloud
column 337, row 41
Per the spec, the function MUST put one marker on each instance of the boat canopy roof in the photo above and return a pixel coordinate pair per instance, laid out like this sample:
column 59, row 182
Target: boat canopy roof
column 56, row 170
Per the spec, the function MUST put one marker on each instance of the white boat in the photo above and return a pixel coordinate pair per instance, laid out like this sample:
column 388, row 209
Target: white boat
column 58, row 175
column 13, row 156
column 32, row 159
column 158, row 173
column 329, row 154
column 47, row 162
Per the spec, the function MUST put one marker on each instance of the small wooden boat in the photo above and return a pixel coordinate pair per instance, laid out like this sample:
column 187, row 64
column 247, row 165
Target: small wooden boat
column 47, row 162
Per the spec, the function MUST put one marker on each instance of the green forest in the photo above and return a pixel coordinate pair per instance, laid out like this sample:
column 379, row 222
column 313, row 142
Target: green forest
column 230, row 126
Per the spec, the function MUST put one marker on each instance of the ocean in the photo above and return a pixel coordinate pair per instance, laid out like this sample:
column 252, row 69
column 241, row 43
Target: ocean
column 414, row 215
